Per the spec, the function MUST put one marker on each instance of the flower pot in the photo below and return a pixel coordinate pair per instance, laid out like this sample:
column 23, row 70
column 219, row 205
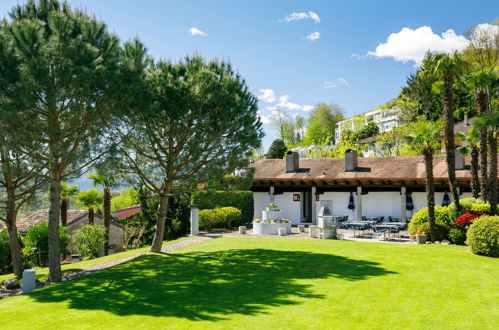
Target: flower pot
column 421, row 238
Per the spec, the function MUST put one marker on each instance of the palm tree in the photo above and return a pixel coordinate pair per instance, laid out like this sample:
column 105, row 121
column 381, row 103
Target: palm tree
column 469, row 146
column 448, row 68
column 90, row 199
column 423, row 139
column 490, row 121
column 107, row 182
column 66, row 192
column 481, row 82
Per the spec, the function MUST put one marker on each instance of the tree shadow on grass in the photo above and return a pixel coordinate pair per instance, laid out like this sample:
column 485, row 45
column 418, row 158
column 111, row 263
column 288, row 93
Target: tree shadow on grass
column 207, row 285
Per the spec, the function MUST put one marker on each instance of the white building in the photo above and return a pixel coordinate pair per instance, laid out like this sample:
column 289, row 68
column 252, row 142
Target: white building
column 379, row 186
column 386, row 119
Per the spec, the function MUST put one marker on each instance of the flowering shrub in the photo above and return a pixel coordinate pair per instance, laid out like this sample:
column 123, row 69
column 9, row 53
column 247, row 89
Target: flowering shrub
column 283, row 220
column 467, row 218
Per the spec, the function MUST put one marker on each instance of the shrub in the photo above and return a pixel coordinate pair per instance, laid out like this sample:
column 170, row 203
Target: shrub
column 243, row 200
column 483, row 236
column 467, row 218
column 441, row 230
column 484, row 208
column 37, row 242
column 4, row 251
column 223, row 217
column 466, row 204
column 441, row 217
column 457, row 235
column 88, row 241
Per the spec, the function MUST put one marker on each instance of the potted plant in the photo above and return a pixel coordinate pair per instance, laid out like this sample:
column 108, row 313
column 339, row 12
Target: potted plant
column 421, row 237
column 272, row 208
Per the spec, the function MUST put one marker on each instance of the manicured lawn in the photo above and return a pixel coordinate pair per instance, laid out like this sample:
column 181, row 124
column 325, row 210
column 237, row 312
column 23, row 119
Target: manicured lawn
column 274, row 283
column 42, row 273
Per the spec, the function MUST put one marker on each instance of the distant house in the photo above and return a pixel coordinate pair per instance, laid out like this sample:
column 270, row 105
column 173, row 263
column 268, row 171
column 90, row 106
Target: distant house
column 385, row 119
column 76, row 219
column 125, row 212
column 378, row 186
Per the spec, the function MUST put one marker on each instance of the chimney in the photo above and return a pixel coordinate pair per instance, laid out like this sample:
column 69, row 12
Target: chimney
column 465, row 120
column 459, row 160
column 292, row 162
column 350, row 160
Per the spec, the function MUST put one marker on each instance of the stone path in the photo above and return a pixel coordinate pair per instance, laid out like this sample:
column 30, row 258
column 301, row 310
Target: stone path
column 4, row 293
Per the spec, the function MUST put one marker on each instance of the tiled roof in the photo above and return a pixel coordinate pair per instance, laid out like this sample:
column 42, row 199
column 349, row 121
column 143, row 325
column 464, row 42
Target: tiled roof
column 43, row 215
column 375, row 168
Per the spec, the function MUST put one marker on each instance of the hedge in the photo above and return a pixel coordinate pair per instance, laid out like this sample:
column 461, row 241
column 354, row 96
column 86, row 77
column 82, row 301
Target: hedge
column 223, row 217
column 442, row 217
column 209, row 199
column 483, row 236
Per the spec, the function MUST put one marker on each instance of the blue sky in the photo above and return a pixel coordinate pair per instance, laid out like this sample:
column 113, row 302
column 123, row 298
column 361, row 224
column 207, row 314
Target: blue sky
column 268, row 44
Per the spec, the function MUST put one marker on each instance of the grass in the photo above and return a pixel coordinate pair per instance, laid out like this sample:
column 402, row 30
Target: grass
column 42, row 273
column 274, row 283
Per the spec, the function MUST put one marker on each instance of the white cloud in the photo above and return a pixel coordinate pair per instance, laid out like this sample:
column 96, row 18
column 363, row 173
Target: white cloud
column 412, row 45
column 307, row 107
column 267, row 95
column 196, row 32
column 329, row 84
column 484, row 34
column 265, row 119
column 343, row 81
column 293, row 17
column 284, row 103
column 313, row 36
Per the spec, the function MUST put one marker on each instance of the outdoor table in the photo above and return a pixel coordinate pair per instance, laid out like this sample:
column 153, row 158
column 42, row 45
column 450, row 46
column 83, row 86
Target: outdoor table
column 359, row 225
column 387, row 226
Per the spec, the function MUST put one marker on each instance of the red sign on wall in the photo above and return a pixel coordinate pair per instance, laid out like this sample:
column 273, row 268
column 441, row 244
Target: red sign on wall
column 296, row 197
column 317, row 198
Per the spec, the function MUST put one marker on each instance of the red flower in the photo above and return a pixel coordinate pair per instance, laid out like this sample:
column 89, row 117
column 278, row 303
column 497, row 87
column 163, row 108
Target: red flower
column 467, row 218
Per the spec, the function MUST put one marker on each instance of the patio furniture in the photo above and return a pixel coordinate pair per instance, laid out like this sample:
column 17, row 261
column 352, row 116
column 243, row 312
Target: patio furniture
column 387, row 231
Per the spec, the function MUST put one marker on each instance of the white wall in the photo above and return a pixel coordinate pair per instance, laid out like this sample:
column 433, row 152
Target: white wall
column 373, row 204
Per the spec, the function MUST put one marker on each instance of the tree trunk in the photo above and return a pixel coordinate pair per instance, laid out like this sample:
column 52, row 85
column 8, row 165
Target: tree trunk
column 475, row 180
column 450, row 147
column 107, row 217
column 493, row 174
column 54, row 246
column 91, row 216
column 483, row 103
column 15, row 247
column 64, row 211
column 160, row 224
column 430, row 192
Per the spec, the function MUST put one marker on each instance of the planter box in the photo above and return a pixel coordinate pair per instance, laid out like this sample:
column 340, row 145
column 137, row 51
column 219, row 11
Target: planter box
column 271, row 214
column 270, row 228
column 421, row 239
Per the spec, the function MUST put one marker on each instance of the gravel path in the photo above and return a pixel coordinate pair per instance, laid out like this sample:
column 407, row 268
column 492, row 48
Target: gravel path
column 4, row 293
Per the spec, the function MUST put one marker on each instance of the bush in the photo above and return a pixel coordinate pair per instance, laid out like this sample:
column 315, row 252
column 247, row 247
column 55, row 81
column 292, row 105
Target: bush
column 88, row 241
column 224, row 217
column 484, row 208
column 440, row 233
column 483, row 236
column 5, row 258
column 466, row 204
column 37, row 242
column 467, row 218
column 441, row 217
column 457, row 235
column 243, row 200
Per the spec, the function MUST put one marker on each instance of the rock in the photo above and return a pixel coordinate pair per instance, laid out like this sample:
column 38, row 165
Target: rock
column 12, row 283
column 429, row 242
column 445, row 242
column 437, row 242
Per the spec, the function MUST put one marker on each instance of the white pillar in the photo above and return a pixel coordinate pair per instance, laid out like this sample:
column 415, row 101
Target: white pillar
column 29, row 280
column 272, row 195
column 403, row 205
column 314, row 206
column 358, row 205
column 194, row 221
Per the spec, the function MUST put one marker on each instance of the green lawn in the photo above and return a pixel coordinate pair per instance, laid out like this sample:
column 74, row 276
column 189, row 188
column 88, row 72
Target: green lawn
column 42, row 273
column 274, row 283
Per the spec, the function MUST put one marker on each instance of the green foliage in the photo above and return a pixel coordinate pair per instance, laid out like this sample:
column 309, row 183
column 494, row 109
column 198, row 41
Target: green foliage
column 483, row 236
column 67, row 190
column 457, row 235
column 440, row 230
column 4, row 251
column 480, row 207
column 322, row 123
column 36, row 242
column 466, row 205
column 424, row 136
column 442, row 217
column 125, row 198
column 89, row 198
column 365, row 132
column 277, row 149
column 88, row 241
column 209, row 199
column 223, row 217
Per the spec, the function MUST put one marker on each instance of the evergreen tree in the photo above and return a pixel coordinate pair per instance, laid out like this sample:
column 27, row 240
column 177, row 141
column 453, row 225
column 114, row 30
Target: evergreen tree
column 277, row 149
